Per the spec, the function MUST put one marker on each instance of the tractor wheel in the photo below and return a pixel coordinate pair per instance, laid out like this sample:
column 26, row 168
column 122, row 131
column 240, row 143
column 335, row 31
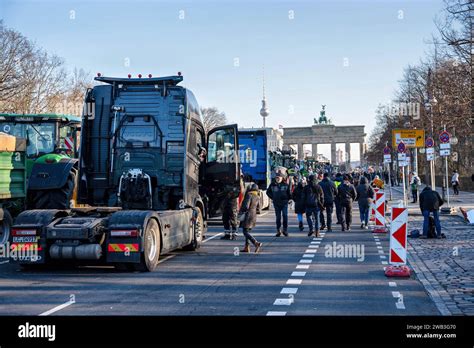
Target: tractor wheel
column 56, row 198
column 151, row 244
column 5, row 227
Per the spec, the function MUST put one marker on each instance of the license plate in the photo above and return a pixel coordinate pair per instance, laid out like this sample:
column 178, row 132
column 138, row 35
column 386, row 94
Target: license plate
column 29, row 239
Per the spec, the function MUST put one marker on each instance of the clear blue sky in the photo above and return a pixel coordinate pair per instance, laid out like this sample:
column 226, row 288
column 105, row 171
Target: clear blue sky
column 303, row 57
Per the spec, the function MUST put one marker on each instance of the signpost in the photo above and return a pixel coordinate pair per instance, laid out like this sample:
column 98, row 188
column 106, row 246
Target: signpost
column 445, row 150
column 430, row 156
column 402, row 163
column 387, row 158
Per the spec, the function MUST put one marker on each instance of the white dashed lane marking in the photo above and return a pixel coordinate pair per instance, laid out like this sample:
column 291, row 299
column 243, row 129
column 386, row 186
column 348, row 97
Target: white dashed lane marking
column 289, row 291
column 283, row 302
column 305, row 261
column 302, row 266
column 275, row 313
column 294, row 281
column 298, row 274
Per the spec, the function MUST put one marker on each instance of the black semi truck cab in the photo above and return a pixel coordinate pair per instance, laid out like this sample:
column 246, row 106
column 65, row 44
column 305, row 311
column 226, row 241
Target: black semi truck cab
column 148, row 178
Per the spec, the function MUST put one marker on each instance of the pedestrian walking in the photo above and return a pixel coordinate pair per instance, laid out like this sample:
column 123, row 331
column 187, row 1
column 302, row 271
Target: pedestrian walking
column 314, row 202
column 298, row 198
column 279, row 192
column 337, row 182
column 248, row 218
column 365, row 196
column 229, row 215
column 414, row 183
column 455, row 182
column 346, row 193
column 430, row 201
column 330, row 192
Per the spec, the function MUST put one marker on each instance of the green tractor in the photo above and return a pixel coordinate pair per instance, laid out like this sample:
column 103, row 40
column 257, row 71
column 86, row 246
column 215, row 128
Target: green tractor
column 52, row 142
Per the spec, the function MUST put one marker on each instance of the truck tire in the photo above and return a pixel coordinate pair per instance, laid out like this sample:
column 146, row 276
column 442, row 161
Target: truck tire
column 151, row 244
column 5, row 227
column 198, row 232
column 57, row 198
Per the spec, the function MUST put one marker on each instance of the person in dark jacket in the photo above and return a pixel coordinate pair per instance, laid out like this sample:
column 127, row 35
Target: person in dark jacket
column 430, row 201
column 229, row 215
column 365, row 195
column 298, row 198
column 248, row 212
column 346, row 193
column 279, row 192
column 314, row 202
column 337, row 182
column 330, row 192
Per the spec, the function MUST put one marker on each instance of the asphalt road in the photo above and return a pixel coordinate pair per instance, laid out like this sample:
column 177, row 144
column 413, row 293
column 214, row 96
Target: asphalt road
column 292, row 275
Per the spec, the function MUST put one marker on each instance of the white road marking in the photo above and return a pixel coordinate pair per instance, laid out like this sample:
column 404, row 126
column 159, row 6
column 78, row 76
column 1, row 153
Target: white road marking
column 378, row 243
column 289, row 291
column 380, row 251
column 57, row 308
column 311, row 251
column 382, row 256
column 308, row 255
column 298, row 274
column 166, row 258
column 316, row 242
column 313, row 246
column 294, row 281
column 400, row 305
column 320, row 239
column 302, row 266
column 275, row 313
column 1, row 263
column 283, row 302
column 214, row 236
column 305, row 261
column 396, row 294
column 384, row 263
column 379, row 247
column 392, row 284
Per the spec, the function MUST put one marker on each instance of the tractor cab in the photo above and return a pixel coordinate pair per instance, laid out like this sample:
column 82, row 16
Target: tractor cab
column 52, row 144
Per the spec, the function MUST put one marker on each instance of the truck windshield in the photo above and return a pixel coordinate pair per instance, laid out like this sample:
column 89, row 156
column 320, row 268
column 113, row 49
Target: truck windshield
column 40, row 136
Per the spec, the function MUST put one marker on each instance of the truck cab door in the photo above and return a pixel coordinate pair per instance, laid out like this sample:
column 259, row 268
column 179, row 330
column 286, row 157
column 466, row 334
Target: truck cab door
column 222, row 169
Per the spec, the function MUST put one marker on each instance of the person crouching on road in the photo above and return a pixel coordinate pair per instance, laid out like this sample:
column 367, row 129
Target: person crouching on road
column 430, row 201
column 314, row 202
column 279, row 192
column 298, row 198
column 365, row 195
column 346, row 193
column 229, row 215
column 248, row 217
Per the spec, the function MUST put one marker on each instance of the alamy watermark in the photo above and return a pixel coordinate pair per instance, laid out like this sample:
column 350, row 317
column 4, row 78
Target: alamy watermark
column 244, row 156
column 347, row 251
column 19, row 251
column 402, row 109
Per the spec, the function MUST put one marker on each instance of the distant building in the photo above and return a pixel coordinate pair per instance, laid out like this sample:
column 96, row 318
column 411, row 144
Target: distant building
column 339, row 156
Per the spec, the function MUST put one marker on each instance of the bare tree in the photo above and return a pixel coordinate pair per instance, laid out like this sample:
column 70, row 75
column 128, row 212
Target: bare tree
column 212, row 117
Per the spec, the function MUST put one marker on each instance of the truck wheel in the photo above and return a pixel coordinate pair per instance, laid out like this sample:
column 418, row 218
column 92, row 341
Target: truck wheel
column 5, row 227
column 151, row 243
column 198, row 232
column 56, row 198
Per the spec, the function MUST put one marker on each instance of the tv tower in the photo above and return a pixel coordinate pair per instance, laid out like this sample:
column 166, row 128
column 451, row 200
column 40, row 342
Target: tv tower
column 264, row 112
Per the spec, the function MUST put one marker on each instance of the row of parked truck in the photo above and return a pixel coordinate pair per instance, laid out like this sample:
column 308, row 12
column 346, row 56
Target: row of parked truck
column 136, row 177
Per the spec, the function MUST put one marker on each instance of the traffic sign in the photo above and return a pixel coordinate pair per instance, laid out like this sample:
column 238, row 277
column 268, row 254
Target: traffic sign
column 430, row 156
column 444, row 137
column 455, row 156
column 386, row 150
column 429, row 142
column 411, row 137
column 446, row 152
column 401, row 147
column 430, row 150
column 445, row 146
column 387, row 159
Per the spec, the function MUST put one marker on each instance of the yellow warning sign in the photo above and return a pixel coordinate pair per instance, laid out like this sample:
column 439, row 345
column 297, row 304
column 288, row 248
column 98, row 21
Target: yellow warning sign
column 411, row 137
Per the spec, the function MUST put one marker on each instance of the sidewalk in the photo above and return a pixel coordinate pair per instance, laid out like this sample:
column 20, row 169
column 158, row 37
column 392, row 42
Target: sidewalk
column 445, row 266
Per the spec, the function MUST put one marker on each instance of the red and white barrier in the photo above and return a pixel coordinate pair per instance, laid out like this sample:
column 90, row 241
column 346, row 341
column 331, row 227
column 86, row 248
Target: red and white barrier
column 398, row 244
column 372, row 209
column 380, row 213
